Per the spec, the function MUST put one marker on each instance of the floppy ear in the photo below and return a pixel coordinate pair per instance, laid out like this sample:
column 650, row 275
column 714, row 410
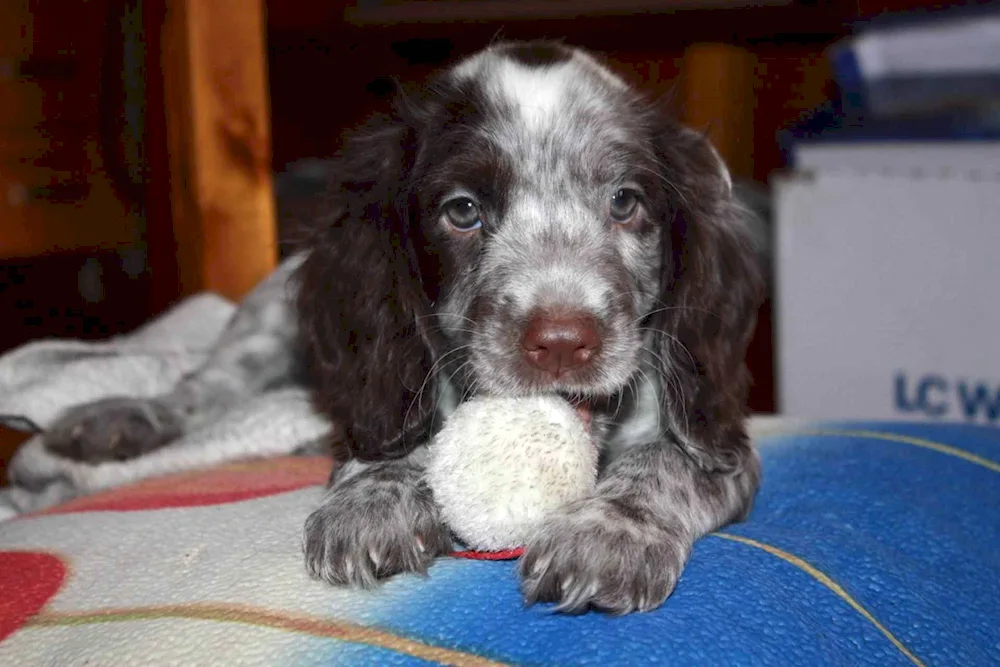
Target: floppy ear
column 711, row 283
column 361, row 301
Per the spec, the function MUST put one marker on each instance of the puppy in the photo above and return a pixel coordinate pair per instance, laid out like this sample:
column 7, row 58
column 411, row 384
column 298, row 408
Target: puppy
column 526, row 223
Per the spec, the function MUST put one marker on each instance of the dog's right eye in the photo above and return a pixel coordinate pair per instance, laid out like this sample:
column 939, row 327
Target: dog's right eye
column 463, row 214
column 623, row 205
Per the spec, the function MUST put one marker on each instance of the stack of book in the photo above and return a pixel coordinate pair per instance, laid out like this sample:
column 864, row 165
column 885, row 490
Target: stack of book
column 918, row 93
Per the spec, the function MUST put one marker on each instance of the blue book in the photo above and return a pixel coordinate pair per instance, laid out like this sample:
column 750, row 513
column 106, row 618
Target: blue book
column 922, row 63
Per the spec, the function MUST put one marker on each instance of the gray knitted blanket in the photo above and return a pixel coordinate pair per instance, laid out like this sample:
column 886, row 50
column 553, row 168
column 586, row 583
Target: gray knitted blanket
column 42, row 379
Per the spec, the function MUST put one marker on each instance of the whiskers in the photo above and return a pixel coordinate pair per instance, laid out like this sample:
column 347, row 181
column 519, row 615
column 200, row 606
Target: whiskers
column 444, row 327
column 672, row 387
column 662, row 369
column 668, row 307
column 665, row 380
column 435, row 367
column 452, row 363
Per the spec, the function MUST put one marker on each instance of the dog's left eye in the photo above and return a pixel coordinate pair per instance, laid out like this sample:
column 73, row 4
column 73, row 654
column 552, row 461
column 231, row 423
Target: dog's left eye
column 623, row 205
column 463, row 214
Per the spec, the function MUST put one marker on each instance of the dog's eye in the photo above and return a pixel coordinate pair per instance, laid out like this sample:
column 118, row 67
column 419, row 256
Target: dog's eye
column 623, row 205
column 463, row 214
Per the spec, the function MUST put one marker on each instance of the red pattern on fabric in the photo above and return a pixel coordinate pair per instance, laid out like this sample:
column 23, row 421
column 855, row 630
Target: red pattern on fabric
column 28, row 580
column 227, row 484
column 506, row 554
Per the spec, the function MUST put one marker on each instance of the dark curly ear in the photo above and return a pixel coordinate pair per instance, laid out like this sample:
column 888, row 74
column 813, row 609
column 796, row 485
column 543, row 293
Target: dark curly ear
column 712, row 287
column 361, row 301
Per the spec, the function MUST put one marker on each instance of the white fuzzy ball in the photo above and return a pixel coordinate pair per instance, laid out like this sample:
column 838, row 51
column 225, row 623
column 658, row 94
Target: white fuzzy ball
column 501, row 465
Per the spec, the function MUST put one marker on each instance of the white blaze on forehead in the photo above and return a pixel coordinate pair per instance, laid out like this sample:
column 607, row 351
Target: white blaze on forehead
column 539, row 93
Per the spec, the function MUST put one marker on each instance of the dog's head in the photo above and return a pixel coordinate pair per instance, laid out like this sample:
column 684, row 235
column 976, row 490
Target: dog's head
column 526, row 223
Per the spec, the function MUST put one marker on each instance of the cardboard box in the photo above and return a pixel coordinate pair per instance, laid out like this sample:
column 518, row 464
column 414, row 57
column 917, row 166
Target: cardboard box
column 888, row 286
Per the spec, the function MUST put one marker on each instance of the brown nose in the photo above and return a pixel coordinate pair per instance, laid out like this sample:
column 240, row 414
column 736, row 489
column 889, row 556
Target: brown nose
column 557, row 343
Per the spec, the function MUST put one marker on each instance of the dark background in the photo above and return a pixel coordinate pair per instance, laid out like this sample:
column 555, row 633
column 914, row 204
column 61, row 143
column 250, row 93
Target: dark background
column 70, row 72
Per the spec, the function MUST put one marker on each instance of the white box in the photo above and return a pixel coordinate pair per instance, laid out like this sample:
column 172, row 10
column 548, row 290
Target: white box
column 887, row 296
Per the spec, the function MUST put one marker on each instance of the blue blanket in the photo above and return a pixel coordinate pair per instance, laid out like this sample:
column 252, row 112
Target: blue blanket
column 869, row 545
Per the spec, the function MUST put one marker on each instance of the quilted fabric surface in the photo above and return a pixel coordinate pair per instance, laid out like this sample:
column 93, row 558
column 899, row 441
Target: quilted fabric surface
column 871, row 544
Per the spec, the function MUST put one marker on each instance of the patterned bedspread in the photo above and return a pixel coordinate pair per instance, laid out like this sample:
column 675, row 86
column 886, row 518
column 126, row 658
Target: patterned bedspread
column 871, row 544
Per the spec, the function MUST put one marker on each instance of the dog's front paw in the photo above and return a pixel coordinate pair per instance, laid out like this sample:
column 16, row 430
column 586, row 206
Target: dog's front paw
column 113, row 429
column 603, row 554
column 380, row 523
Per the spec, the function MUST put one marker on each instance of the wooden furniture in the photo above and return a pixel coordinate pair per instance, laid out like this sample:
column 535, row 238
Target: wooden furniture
column 58, row 188
column 218, row 127
column 54, row 192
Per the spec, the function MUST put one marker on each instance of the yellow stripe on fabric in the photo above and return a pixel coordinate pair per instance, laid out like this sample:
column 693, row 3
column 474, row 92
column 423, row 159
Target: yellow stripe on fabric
column 824, row 579
column 948, row 450
column 226, row 613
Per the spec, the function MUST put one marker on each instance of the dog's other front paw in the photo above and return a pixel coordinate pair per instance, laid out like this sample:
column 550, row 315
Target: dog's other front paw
column 603, row 554
column 113, row 429
column 379, row 523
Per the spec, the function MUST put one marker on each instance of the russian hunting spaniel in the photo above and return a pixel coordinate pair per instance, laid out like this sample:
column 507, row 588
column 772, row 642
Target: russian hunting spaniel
column 526, row 222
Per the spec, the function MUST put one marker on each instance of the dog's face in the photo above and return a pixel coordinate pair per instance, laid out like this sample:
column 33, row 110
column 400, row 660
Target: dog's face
column 541, row 193
column 526, row 223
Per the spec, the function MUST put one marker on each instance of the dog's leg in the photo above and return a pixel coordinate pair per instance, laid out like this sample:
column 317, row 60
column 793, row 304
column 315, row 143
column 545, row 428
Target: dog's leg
column 377, row 520
column 256, row 351
column 623, row 548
